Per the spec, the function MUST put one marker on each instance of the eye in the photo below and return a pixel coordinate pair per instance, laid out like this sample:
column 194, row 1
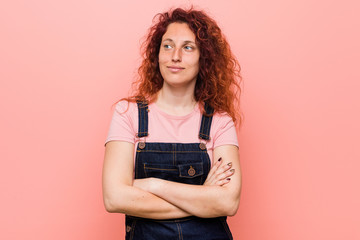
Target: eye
column 167, row 46
column 188, row 47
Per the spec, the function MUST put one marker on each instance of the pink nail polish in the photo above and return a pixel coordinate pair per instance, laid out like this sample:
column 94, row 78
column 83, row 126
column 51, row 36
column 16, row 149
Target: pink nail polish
column 219, row 159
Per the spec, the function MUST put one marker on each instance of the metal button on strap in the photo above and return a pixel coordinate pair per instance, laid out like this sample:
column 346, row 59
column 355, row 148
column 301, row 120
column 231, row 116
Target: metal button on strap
column 202, row 146
column 141, row 145
column 191, row 171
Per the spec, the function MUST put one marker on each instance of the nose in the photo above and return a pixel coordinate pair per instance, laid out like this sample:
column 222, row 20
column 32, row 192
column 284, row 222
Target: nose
column 176, row 57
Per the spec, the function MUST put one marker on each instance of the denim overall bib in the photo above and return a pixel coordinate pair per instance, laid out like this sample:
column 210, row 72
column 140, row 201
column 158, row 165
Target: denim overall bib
column 178, row 162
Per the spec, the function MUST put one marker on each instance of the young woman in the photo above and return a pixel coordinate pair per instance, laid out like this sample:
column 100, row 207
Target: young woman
column 171, row 161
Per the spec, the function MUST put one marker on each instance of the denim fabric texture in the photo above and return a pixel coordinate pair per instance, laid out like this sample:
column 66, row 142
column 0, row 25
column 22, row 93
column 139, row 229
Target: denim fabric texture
column 204, row 132
column 143, row 119
column 187, row 163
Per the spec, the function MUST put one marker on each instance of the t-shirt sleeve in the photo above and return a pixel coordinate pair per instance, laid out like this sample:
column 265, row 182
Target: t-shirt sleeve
column 225, row 131
column 122, row 123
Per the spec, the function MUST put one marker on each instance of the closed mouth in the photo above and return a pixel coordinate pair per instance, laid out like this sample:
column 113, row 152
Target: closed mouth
column 175, row 67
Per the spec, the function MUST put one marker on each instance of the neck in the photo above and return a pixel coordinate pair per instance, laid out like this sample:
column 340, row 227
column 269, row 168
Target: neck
column 175, row 100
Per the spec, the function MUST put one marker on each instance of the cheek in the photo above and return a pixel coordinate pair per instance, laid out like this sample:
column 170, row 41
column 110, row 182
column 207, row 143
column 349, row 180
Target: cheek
column 196, row 60
column 196, row 64
column 163, row 57
column 162, row 62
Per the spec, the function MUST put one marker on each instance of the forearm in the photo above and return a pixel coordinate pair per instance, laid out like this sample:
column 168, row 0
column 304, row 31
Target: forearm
column 136, row 202
column 119, row 193
column 199, row 200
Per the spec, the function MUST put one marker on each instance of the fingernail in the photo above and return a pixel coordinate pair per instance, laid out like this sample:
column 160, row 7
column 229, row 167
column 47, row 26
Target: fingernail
column 228, row 179
column 219, row 159
column 232, row 170
column 229, row 164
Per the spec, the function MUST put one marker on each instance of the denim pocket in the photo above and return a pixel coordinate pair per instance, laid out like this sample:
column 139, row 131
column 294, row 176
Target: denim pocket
column 190, row 173
column 163, row 171
column 191, row 170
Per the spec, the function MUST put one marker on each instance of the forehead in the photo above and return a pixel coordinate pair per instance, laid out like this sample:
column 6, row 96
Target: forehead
column 178, row 32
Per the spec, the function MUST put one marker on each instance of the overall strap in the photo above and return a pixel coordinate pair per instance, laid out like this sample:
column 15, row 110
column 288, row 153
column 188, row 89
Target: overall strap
column 143, row 119
column 205, row 126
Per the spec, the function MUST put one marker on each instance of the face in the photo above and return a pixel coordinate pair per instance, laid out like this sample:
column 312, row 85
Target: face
column 179, row 56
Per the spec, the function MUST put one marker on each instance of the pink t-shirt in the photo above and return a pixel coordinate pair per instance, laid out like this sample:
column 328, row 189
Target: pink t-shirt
column 163, row 127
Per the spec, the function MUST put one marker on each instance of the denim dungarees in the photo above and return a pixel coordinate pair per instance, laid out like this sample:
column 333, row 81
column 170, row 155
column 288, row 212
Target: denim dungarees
column 179, row 162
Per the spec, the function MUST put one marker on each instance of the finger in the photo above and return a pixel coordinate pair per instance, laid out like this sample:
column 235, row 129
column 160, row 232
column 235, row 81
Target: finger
column 228, row 174
column 214, row 168
column 222, row 177
column 223, row 168
column 225, row 175
column 217, row 164
column 223, row 182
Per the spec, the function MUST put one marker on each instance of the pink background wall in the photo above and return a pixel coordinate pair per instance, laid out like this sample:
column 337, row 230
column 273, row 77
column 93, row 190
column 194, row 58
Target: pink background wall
column 64, row 63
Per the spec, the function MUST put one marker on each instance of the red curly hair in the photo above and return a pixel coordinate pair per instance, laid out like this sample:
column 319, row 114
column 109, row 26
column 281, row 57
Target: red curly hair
column 219, row 72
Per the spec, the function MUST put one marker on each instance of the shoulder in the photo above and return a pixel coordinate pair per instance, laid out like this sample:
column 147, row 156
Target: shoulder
column 123, row 123
column 126, row 113
column 222, row 118
column 124, row 107
column 223, row 130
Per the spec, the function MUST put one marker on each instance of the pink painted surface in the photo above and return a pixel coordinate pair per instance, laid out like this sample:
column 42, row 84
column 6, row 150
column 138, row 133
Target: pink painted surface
column 64, row 63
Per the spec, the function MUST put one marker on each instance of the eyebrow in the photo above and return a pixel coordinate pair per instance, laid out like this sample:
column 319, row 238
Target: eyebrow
column 186, row 42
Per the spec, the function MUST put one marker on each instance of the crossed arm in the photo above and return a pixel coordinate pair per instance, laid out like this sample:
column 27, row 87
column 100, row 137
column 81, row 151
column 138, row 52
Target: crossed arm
column 160, row 199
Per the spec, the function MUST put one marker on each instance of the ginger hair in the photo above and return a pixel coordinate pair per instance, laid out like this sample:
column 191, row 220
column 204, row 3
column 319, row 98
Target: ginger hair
column 218, row 80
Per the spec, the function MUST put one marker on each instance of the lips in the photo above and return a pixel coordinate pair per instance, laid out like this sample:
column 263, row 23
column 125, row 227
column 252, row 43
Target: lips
column 175, row 69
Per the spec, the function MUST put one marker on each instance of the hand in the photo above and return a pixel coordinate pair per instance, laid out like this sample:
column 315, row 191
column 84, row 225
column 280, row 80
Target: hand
column 219, row 174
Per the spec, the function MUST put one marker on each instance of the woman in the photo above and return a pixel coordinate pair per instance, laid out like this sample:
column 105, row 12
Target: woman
column 171, row 161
